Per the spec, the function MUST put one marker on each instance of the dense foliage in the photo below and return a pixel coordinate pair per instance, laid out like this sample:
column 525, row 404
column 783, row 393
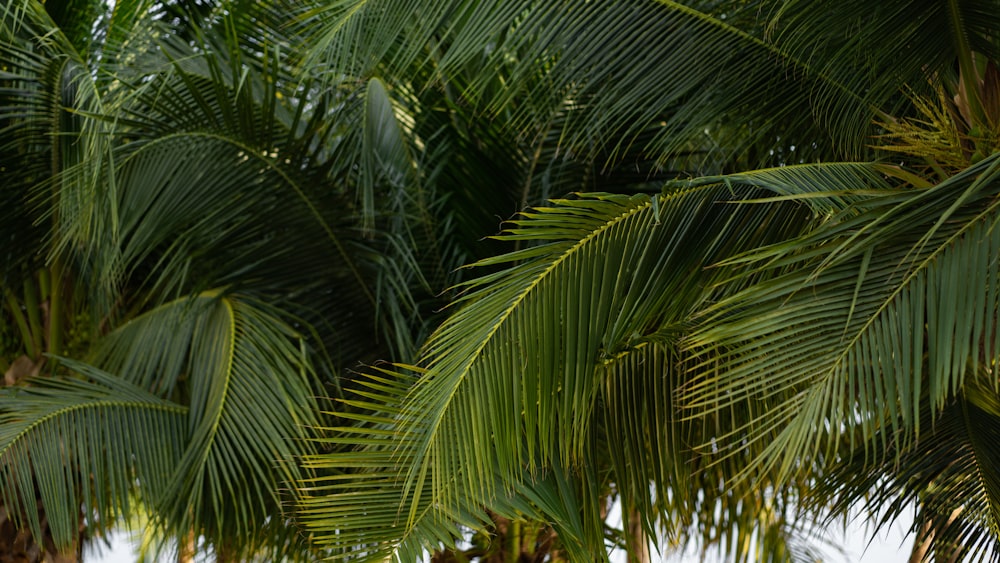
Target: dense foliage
column 735, row 267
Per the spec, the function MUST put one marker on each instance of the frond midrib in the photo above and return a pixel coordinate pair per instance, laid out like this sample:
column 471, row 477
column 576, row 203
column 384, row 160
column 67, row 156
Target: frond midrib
column 418, row 473
column 98, row 404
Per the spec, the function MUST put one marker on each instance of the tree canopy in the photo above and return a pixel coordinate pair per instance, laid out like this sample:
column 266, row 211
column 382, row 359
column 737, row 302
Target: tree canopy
column 729, row 263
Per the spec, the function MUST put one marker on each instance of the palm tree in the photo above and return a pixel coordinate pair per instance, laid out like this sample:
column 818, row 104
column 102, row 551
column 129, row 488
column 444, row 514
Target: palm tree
column 187, row 269
column 765, row 343
column 215, row 236
column 196, row 208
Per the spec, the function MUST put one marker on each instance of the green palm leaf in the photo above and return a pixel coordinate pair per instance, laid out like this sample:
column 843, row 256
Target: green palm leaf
column 357, row 507
column 120, row 434
column 875, row 314
column 641, row 284
column 219, row 175
column 251, row 392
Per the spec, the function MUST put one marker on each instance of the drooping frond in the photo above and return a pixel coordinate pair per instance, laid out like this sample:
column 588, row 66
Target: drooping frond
column 252, row 401
column 353, row 507
column 123, row 438
column 516, row 341
column 198, row 171
column 357, row 507
column 622, row 268
column 876, row 316
column 218, row 175
column 687, row 68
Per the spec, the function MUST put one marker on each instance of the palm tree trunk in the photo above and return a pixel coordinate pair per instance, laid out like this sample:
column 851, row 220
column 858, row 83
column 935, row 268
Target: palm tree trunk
column 186, row 548
column 510, row 541
column 924, row 543
column 638, row 543
column 16, row 544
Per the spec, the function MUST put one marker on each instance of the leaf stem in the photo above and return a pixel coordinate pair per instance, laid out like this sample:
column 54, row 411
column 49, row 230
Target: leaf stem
column 32, row 307
column 22, row 323
column 55, row 310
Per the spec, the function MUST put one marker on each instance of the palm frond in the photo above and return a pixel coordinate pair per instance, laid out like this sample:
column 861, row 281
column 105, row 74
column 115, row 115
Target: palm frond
column 638, row 285
column 117, row 433
column 357, row 507
column 384, row 154
column 208, row 187
column 874, row 315
column 353, row 506
column 251, row 392
column 515, row 341
column 949, row 475
column 670, row 471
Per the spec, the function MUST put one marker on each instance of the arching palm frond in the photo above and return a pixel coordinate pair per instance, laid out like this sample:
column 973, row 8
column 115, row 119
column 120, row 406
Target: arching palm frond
column 877, row 316
column 252, row 407
column 250, row 390
column 218, row 176
column 349, row 158
column 120, row 432
column 575, row 348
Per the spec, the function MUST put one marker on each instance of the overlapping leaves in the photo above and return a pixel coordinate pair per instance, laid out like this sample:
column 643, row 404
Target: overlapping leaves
column 211, row 403
column 559, row 396
column 878, row 315
column 685, row 67
column 119, row 431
